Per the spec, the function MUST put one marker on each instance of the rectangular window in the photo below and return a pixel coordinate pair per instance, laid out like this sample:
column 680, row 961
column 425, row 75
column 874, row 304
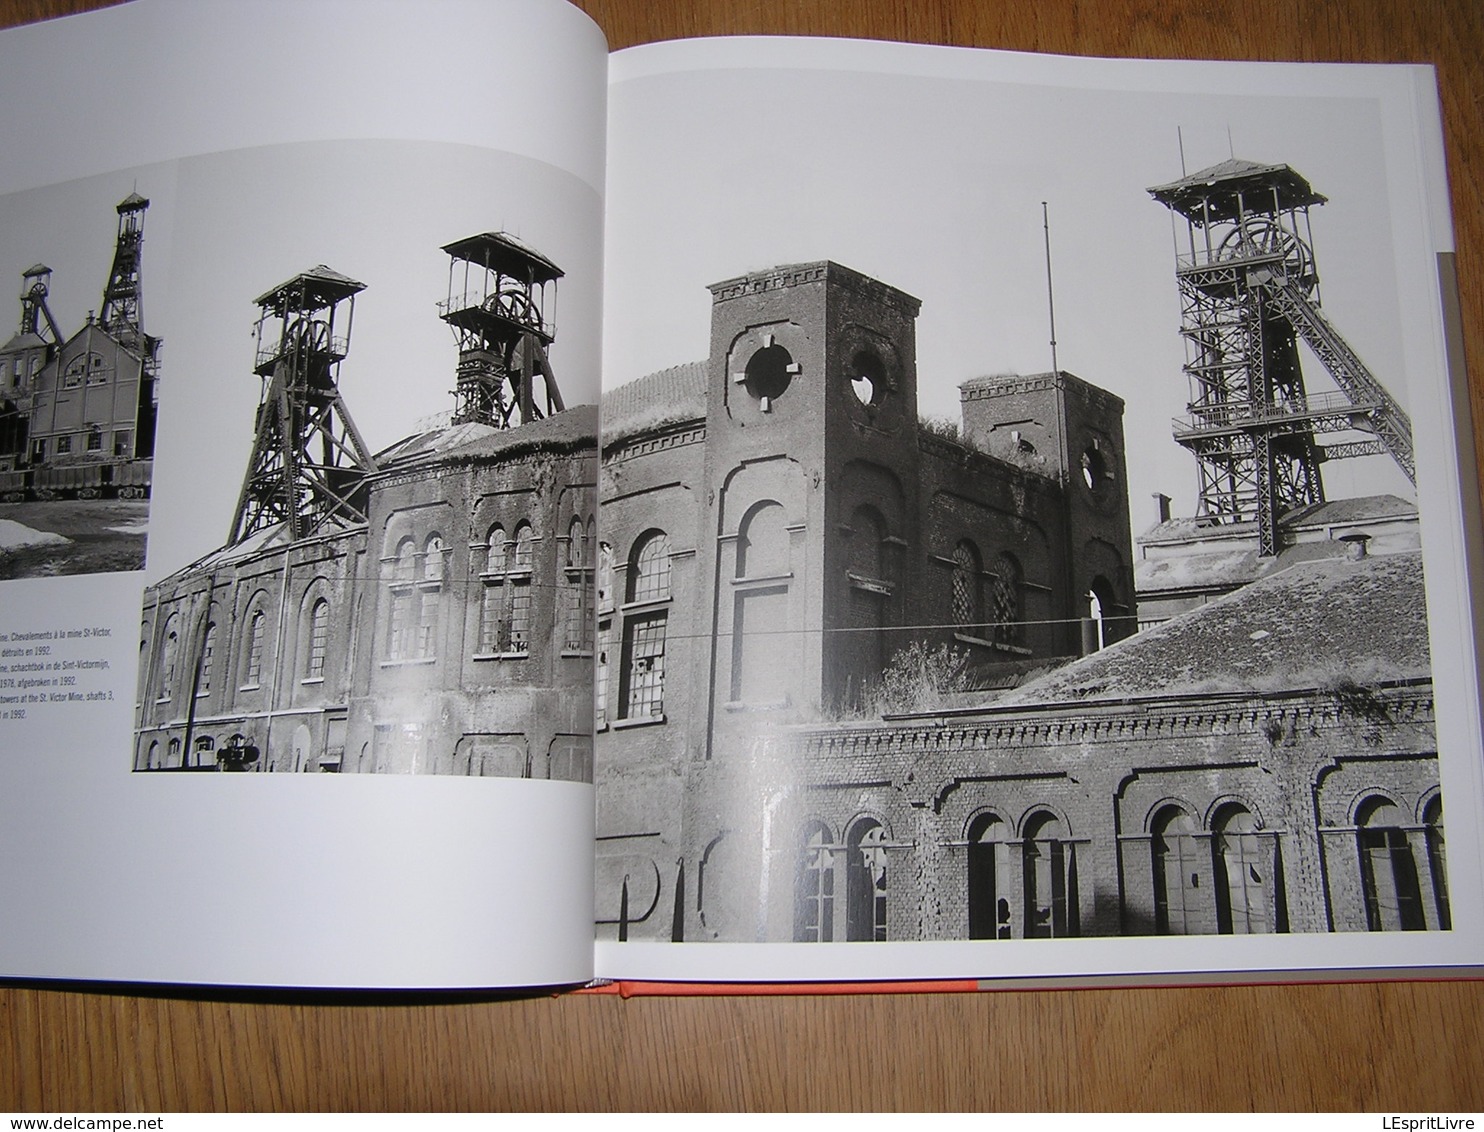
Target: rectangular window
column 491, row 619
column 579, row 634
column 427, row 623
column 605, row 643
column 399, row 624
column 520, row 615
column 319, row 628
column 64, row 444
column 95, row 442
column 644, row 666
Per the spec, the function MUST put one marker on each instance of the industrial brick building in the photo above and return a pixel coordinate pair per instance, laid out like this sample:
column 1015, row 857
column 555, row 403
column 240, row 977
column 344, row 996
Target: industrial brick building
column 77, row 413
column 778, row 525
column 424, row 609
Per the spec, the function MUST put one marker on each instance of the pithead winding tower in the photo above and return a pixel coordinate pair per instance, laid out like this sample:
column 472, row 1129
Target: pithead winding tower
column 497, row 292
column 1249, row 290
column 308, row 463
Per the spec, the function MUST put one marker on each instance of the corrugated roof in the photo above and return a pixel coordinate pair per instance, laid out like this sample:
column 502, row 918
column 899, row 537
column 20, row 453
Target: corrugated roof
column 666, row 397
column 1323, row 624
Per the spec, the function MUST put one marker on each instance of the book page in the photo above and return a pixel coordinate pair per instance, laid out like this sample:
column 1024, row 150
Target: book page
column 1019, row 477
column 298, row 475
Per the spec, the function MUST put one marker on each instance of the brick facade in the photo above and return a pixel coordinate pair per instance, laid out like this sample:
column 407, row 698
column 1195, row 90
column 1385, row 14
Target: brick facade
column 813, row 528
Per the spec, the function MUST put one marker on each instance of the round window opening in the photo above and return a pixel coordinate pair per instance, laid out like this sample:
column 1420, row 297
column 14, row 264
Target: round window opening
column 768, row 372
column 868, row 379
column 1094, row 469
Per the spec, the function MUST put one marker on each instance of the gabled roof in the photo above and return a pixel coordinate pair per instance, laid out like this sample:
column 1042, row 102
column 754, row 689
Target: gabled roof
column 1326, row 624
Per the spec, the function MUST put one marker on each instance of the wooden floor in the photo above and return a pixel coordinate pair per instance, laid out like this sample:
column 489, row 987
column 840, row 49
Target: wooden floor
column 1386, row 1048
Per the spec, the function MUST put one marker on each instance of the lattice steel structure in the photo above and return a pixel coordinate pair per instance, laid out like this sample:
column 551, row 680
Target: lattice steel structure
column 35, row 286
column 123, row 298
column 1249, row 290
column 308, row 462
column 497, row 292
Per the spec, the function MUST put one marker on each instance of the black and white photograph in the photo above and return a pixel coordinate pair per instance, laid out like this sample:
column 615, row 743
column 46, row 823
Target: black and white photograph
column 79, row 380
column 1129, row 640
column 378, row 537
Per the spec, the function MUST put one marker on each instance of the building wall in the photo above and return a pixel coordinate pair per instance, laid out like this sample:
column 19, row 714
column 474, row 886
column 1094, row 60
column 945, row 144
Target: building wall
column 1275, row 791
column 413, row 665
column 90, row 401
column 813, row 530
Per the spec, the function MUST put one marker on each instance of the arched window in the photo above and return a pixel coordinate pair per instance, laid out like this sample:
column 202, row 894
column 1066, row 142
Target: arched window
column 968, row 606
column 643, row 675
column 1388, row 870
column 1100, row 609
column 505, row 604
column 208, row 650
column 814, row 886
column 1182, row 887
column 762, row 542
column 169, row 658
column 429, row 598
column 1004, row 596
column 761, row 673
column 650, row 577
column 493, row 622
column 519, row 585
column 865, row 881
column 1437, row 859
column 603, row 669
column 252, row 668
column 1050, row 874
column 497, row 550
column 991, row 878
column 1243, row 868
column 319, row 633
column 402, row 598
column 578, row 582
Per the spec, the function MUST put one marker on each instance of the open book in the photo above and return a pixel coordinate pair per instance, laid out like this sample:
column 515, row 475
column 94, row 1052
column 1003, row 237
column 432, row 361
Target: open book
column 735, row 510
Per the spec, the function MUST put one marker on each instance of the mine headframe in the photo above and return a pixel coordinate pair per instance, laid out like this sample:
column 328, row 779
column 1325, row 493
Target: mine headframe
column 123, row 298
column 35, row 286
column 309, row 462
column 1249, row 290
column 498, row 307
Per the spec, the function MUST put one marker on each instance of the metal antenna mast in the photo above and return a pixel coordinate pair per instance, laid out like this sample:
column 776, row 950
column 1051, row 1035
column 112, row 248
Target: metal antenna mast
column 1050, row 297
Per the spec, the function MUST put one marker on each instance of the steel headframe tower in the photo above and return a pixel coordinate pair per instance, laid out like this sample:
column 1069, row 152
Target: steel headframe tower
column 308, row 461
column 497, row 291
column 1249, row 289
column 35, row 286
column 123, row 298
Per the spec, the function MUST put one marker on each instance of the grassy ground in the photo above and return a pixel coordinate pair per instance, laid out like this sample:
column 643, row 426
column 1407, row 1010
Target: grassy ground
column 96, row 547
